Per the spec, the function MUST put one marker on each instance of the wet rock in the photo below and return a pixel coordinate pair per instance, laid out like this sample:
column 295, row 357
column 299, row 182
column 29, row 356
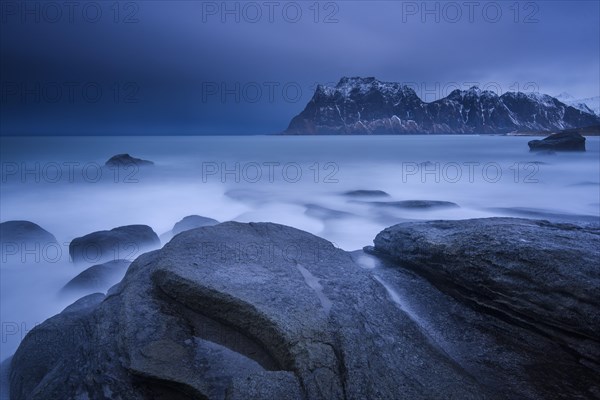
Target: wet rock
column 415, row 204
column 125, row 242
column 45, row 350
column 563, row 141
column 85, row 303
column 539, row 275
column 98, row 278
column 236, row 311
column 366, row 193
column 24, row 232
column 24, row 242
column 187, row 223
column 191, row 222
column 124, row 160
column 512, row 360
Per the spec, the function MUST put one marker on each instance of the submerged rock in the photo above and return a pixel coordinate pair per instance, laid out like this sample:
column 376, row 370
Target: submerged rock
column 24, row 232
column 187, row 223
column 415, row 204
column 98, row 278
column 123, row 160
column 191, row 222
column 563, row 141
column 239, row 311
column 366, row 193
column 125, row 242
column 23, row 242
column 325, row 213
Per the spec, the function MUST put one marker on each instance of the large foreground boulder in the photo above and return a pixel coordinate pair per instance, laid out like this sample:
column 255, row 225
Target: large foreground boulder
column 239, row 311
column 536, row 274
column 563, row 141
column 125, row 242
column 498, row 308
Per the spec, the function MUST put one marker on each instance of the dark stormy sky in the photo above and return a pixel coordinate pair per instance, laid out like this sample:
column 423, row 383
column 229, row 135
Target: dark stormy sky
column 193, row 67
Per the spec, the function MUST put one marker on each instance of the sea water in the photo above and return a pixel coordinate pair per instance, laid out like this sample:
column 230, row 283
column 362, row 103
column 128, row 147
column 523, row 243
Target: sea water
column 61, row 184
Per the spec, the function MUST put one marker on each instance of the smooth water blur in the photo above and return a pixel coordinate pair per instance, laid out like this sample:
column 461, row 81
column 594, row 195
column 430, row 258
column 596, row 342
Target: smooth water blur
column 58, row 183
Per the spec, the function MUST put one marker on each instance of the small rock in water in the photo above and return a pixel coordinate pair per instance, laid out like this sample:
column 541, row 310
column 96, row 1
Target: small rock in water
column 320, row 212
column 19, row 238
column 563, row 141
column 366, row 193
column 125, row 242
column 24, row 232
column 192, row 222
column 121, row 160
column 187, row 223
column 98, row 278
column 416, row 204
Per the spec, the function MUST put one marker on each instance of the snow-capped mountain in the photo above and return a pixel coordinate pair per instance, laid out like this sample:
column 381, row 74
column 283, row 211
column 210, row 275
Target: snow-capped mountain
column 588, row 104
column 368, row 106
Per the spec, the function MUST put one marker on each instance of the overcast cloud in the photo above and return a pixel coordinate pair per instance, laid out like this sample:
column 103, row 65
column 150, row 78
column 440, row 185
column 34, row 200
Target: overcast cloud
column 194, row 67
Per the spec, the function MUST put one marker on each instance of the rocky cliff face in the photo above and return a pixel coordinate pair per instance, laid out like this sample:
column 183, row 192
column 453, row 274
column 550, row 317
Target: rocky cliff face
column 368, row 106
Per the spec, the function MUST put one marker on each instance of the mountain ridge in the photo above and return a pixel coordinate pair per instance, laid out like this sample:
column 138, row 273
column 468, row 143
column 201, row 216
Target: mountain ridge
column 358, row 105
column 587, row 104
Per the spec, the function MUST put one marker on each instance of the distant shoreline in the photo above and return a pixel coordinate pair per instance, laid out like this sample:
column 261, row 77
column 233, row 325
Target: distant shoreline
column 584, row 131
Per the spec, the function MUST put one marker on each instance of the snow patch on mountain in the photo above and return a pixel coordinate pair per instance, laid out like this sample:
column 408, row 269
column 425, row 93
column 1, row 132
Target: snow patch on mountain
column 588, row 104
